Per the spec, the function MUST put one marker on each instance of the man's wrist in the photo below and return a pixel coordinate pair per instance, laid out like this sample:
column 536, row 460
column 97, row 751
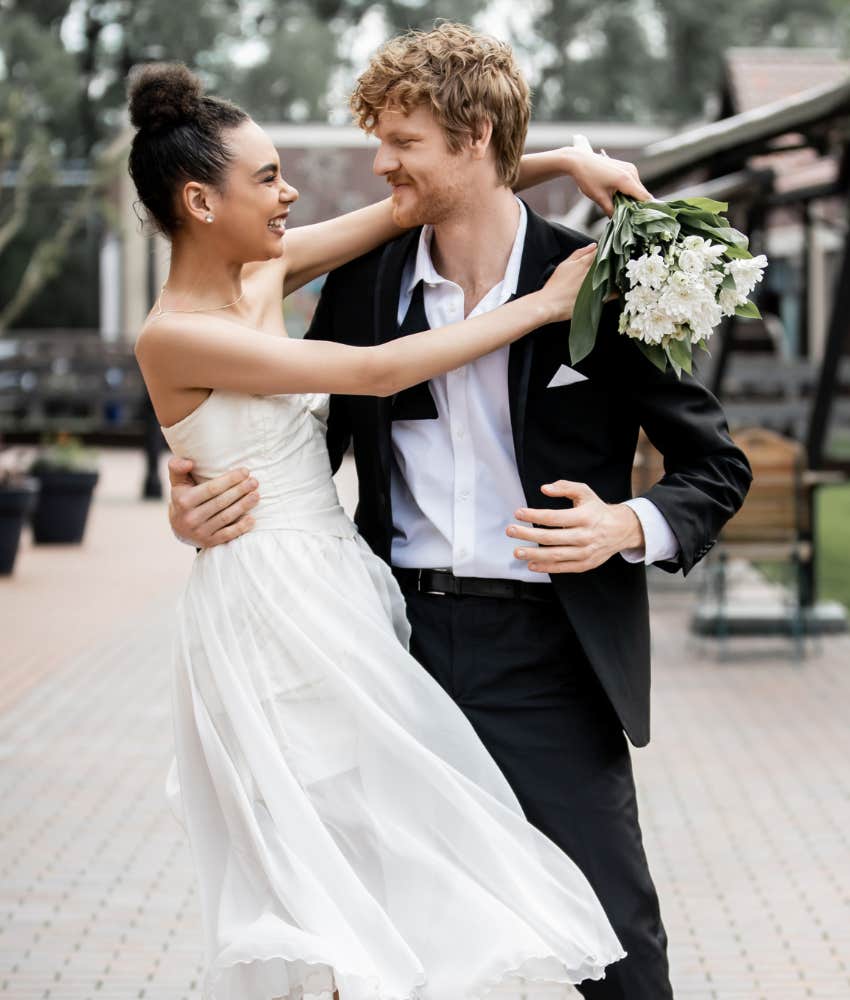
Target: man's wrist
column 632, row 536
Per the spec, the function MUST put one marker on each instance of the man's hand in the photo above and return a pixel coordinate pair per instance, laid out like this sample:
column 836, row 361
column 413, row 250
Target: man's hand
column 599, row 177
column 212, row 512
column 576, row 539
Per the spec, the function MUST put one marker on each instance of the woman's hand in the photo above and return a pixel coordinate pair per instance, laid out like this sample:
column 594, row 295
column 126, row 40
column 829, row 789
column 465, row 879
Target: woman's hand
column 599, row 177
column 561, row 289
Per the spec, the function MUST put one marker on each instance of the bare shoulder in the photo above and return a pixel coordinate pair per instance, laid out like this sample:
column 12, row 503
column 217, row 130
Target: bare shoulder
column 158, row 334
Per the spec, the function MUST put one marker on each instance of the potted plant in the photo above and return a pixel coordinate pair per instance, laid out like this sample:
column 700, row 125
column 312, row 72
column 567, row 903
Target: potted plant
column 68, row 475
column 18, row 495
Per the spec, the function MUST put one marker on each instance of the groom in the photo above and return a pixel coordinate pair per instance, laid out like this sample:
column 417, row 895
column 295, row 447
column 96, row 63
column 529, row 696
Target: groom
column 500, row 493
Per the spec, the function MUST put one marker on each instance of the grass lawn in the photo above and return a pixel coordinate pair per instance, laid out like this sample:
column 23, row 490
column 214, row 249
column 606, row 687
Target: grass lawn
column 833, row 543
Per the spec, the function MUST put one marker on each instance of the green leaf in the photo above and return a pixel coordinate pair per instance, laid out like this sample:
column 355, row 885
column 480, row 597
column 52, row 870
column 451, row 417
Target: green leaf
column 737, row 253
column 680, row 354
column 701, row 204
column 748, row 309
column 669, row 228
column 585, row 321
column 652, row 214
column 654, row 353
column 600, row 273
column 726, row 234
column 604, row 247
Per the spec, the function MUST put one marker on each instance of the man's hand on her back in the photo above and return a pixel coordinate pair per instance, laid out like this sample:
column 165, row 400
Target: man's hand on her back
column 213, row 512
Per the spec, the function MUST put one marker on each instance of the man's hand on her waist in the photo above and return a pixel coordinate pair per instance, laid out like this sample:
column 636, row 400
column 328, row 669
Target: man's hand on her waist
column 210, row 513
column 578, row 538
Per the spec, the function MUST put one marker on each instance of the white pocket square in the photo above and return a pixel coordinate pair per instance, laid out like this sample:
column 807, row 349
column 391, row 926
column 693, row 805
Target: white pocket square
column 565, row 376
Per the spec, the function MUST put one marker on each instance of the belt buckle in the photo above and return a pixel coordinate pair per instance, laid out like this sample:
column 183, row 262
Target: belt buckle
column 438, row 593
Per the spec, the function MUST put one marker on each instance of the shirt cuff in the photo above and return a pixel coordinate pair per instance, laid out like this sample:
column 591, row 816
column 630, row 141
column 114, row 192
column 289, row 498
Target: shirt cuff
column 660, row 544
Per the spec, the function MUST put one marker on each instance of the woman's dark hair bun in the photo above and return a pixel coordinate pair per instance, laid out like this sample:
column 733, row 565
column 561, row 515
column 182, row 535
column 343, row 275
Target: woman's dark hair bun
column 163, row 95
column 181, row 135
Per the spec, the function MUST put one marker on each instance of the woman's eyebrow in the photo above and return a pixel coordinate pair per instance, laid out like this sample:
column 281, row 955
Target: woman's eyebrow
column 268, row 168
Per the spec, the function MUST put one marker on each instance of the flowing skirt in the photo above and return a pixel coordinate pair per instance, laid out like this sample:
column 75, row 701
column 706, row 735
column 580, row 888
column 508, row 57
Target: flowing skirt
column 350, row 830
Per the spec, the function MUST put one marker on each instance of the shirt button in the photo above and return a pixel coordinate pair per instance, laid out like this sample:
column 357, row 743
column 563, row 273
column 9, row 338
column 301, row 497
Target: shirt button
column 461, row 553
column 464, row 495
column 459, row 432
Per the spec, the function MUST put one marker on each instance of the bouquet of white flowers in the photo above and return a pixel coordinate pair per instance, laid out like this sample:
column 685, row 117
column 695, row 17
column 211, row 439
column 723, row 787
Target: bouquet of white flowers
column 679, row 268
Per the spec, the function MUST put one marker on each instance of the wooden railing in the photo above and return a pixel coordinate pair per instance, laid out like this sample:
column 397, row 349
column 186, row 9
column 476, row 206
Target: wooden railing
column 69, row 380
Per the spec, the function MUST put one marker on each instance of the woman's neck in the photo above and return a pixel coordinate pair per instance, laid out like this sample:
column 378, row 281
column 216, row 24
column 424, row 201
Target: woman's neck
column 199, row 280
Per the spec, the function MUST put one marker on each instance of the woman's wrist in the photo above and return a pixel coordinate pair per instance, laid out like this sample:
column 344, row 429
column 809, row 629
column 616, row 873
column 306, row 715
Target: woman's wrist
column 544, row 308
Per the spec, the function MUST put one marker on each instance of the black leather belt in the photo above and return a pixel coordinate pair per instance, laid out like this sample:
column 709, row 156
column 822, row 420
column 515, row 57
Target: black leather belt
column 441, row 581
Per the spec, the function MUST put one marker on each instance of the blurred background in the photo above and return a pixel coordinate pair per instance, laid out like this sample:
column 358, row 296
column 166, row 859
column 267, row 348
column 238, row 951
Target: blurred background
column 745, row 810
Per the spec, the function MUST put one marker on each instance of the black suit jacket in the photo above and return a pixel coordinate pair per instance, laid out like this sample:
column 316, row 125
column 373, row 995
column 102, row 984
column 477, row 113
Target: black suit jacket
column 585, row 432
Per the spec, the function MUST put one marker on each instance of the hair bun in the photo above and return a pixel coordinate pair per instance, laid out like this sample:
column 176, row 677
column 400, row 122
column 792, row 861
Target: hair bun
column 163, row 95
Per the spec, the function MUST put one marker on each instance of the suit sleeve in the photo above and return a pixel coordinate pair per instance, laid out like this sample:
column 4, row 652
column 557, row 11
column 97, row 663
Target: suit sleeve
column 706, row 476
column 325, row 325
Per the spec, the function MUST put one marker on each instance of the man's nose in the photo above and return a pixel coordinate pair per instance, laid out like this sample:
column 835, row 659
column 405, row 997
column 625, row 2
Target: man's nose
column 385, row 162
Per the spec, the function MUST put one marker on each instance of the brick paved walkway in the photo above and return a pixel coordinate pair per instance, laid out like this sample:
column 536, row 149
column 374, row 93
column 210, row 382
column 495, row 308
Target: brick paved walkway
column 745, row 790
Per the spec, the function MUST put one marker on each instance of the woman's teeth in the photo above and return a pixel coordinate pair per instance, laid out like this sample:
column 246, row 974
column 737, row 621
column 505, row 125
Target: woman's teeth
column 277, row 225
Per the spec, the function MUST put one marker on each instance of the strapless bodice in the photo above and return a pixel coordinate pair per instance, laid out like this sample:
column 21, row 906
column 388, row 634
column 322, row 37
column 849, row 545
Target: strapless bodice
column 281, row 441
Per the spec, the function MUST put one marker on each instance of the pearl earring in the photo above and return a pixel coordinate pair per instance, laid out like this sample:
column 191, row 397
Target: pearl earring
column 208, row 217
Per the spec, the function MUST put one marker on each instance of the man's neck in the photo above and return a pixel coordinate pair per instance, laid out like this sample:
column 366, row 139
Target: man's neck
column 472, row 247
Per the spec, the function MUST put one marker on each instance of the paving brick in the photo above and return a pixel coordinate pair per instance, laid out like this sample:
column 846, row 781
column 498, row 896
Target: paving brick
column 744, row 791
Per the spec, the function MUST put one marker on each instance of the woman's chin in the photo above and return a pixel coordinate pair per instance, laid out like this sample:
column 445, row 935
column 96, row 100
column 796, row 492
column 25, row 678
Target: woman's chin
column 274, row 249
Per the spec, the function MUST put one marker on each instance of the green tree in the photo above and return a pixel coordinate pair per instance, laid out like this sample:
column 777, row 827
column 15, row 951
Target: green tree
column 39, row 92
column 642, row 60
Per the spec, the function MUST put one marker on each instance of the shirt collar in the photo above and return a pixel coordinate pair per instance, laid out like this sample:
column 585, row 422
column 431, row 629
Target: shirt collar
column 424, row 270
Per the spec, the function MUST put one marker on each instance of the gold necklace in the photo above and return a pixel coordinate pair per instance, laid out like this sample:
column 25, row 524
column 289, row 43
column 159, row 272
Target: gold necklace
column 159, row 311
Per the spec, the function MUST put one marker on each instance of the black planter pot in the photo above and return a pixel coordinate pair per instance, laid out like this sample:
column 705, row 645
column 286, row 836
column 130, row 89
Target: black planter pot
column 63, row 505
column 16, row 505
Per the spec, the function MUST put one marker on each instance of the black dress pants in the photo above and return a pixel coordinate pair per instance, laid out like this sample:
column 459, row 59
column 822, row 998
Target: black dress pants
column 517, row 671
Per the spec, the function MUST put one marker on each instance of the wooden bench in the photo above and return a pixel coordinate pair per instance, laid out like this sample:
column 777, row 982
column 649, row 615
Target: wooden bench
column 70, row 381
column 774, row 524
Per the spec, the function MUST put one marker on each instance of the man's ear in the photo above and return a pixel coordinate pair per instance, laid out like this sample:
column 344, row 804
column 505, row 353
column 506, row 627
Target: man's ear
column 480, row 142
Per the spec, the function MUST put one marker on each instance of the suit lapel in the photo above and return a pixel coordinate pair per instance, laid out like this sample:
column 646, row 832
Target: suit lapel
column 388, row 285
column 386, row 327
column 540, row 255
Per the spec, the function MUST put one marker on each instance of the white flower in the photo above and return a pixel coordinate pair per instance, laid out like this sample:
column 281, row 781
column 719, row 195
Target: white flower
column 747, row 273
column 704, row 248
column 714, row 251
column 650, row 269
column 713, row 277
column 729, row 300
column 639, row 298
column 651, row 326
column 681, row 281
column 691, row 262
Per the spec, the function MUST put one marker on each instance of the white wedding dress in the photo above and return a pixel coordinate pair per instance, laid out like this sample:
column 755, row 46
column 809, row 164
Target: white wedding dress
column 350, row 830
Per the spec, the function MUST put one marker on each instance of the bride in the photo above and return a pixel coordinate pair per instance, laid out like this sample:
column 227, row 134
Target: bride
column 352, row 836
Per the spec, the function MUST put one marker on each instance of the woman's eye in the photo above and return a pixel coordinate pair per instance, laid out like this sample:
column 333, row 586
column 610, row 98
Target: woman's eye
column 268, row 180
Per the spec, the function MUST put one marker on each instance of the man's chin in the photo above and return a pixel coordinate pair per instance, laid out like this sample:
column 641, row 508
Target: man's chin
column 406, row 216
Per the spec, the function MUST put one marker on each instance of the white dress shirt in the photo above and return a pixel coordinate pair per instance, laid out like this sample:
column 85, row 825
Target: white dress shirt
column 455, row 484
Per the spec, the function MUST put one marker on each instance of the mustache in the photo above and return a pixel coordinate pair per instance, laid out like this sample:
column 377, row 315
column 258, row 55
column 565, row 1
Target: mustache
column 398, row 179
